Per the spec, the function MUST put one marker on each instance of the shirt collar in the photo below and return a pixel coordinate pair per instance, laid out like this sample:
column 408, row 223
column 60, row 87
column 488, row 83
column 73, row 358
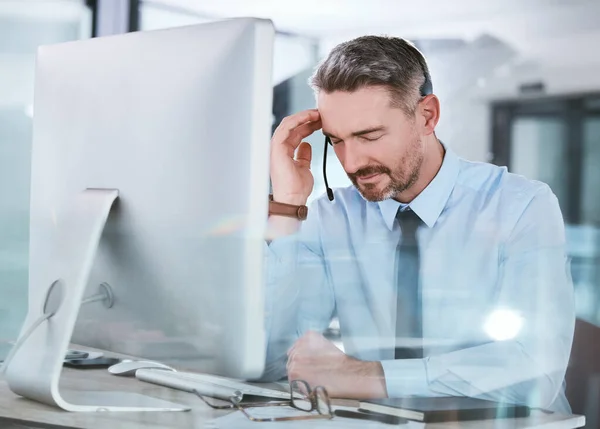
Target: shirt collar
column 428, row 205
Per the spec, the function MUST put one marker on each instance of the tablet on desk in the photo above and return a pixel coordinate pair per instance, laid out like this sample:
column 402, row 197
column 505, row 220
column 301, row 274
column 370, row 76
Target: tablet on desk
column 444, row 409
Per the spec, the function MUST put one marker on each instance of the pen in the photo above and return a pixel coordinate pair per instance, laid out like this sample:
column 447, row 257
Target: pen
column 382, row 418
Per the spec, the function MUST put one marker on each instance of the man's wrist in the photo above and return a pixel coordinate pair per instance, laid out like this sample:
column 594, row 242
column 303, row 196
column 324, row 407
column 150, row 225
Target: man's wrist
column 278, row 208
column 296, row 200
column 371, row 372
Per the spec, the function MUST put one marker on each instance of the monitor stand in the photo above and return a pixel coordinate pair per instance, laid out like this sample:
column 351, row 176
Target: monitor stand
column 35, row 368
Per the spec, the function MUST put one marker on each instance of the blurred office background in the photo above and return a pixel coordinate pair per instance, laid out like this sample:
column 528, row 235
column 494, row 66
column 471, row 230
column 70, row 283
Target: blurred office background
column 519, row 84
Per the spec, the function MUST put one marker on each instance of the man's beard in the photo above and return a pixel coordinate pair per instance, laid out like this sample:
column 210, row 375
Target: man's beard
column 404, row 175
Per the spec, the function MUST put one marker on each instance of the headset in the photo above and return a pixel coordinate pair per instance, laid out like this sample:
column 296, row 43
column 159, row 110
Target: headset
column 425, row 89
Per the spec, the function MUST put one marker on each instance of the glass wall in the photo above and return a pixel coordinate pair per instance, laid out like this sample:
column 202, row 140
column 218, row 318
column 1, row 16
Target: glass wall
column 556, row 140
column 23, row 27
column 591, row 170
column 589, row 302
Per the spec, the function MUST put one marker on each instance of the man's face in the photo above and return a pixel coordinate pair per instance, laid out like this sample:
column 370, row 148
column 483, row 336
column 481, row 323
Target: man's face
column 378, row 145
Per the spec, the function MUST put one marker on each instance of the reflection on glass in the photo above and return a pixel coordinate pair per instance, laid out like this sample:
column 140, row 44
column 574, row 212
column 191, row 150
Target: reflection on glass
column 23, row 27
column 503, row 324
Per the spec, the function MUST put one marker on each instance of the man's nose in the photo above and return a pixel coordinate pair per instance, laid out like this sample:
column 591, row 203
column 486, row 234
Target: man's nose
column 354, row 158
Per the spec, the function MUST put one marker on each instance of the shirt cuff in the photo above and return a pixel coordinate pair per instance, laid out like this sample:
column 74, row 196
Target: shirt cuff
column 283, row 249
column 406, row 377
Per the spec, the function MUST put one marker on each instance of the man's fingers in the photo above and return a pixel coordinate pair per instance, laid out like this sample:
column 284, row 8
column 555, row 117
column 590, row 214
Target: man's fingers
column 304, row 154
column 293, row 372
column 292, row 364
column 304, row 130
column 294, row 353
column 305, row 342
column 291, row 354
column 292, row 121
column 296, row 349
column 290, row 139
column 293, row 347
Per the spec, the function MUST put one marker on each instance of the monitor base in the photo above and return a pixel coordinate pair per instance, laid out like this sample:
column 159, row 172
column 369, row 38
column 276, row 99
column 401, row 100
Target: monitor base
column 96, row 401
column 35, row 368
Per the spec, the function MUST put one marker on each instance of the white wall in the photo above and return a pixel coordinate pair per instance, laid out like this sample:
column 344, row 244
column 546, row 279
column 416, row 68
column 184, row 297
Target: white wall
column 464, row 121
column 292, row 55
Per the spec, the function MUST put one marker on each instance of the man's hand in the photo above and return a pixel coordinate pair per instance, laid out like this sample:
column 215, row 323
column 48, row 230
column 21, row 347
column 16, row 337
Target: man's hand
column 319, row 362
column 291, row 178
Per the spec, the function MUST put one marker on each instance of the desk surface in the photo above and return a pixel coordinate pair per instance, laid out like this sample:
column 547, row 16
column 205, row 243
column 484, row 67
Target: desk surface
column 29, row 413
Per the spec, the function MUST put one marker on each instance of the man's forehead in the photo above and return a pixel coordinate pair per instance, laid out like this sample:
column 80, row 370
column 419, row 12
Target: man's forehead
column 343, row 119
column 373, row 96
column 365, row 103
column 344, row 114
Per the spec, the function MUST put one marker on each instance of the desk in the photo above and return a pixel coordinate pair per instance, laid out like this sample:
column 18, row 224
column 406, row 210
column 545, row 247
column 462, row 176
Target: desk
column 32, row 414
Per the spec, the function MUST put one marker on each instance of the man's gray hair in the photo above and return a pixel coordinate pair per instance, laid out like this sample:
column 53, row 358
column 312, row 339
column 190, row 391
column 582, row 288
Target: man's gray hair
column 389, row 62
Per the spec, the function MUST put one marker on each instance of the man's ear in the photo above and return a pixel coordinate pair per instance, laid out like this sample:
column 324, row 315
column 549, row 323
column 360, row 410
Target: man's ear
column 429, row 110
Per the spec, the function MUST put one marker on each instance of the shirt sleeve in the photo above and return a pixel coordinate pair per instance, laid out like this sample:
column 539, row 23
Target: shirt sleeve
column 535, row 286
column 298, row 294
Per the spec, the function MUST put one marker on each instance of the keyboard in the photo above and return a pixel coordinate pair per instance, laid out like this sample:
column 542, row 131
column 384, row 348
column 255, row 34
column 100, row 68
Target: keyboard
column 189, row 381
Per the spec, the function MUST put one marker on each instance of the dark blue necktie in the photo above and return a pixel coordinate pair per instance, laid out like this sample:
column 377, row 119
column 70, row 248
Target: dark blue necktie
column 408, row 309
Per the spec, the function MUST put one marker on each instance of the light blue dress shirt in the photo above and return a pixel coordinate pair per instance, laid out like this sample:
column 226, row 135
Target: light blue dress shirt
column 497, row 295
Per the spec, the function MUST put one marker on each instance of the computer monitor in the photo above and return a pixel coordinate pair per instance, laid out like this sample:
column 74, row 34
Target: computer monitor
column 150, row 183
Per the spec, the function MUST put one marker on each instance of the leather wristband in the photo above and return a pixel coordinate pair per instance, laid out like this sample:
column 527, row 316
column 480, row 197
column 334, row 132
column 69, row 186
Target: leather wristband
column 288, row 210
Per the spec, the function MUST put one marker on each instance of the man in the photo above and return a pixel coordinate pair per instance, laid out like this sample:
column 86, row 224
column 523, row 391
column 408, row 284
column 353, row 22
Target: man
column 448, row 277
